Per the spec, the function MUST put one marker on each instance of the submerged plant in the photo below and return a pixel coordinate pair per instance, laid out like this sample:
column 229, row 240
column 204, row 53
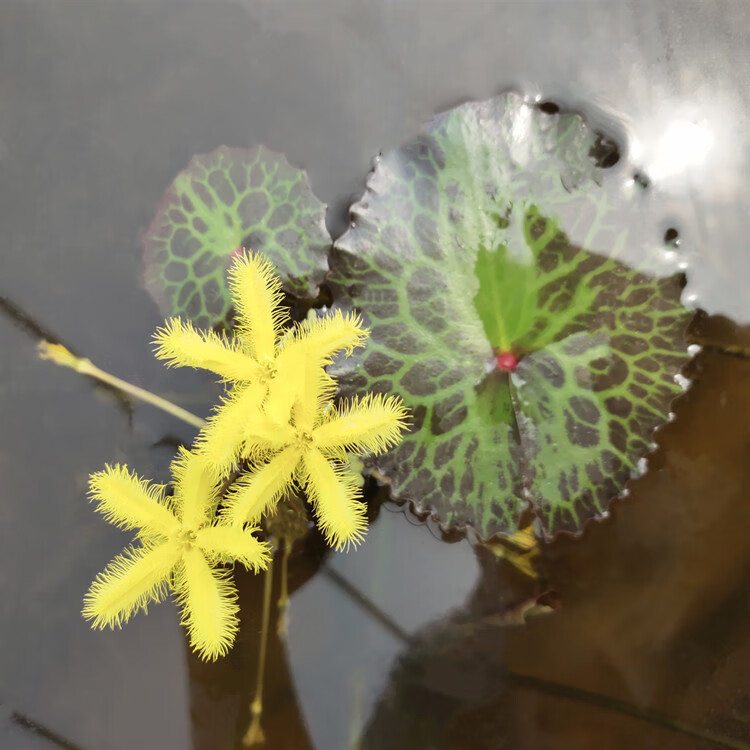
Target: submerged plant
column 180, row 546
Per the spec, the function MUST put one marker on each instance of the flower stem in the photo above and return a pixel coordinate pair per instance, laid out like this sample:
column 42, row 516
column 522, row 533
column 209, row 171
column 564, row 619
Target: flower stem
column 63, row 357
column 283, row 623
column 254, row 734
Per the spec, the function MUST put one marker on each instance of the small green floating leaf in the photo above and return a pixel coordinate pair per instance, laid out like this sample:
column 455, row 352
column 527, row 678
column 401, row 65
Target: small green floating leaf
column 536, row 369
column 224, row 200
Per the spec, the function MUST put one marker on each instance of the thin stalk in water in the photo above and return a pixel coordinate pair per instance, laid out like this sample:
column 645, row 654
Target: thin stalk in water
column 254, row 734
column 58, row 354
column 283, row 604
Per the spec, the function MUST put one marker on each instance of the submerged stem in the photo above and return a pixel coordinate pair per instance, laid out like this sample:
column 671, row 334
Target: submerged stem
column 61, row 356
column 254, row 734
column 283, row 622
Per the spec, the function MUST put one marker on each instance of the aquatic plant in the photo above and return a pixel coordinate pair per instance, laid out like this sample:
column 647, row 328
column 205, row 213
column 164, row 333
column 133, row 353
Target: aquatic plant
column 536, row 338
column 180, row 546
column 514, row 299
column 280, row 405
column 259, row 353
column 223, row 200
column 528, row 323
column 279, row 415
column 310, row 447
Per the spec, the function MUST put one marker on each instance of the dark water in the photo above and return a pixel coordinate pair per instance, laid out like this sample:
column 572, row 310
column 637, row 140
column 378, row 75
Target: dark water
column 407, row 642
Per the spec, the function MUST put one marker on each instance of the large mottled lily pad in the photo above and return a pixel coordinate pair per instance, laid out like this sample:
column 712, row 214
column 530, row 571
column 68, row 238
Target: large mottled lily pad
column 224, row 200
column 536, row 369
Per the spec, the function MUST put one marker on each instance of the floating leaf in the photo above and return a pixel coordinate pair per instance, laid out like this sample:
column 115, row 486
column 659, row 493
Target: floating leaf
column 536, row 368
column 224, row 200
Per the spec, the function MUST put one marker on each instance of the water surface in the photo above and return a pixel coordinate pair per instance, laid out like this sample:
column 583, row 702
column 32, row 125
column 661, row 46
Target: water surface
column 102, row 104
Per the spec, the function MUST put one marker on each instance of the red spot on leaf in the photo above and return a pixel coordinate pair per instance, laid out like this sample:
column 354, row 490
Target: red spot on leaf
column 507, row 361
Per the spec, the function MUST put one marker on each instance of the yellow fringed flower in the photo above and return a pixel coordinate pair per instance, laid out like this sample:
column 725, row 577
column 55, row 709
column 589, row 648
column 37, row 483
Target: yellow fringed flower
column 308, row 444
column 180, row 547
column 257, row 356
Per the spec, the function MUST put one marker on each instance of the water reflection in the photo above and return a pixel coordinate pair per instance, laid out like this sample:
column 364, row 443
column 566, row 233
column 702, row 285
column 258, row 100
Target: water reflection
column 333, row 634
column 654, row 620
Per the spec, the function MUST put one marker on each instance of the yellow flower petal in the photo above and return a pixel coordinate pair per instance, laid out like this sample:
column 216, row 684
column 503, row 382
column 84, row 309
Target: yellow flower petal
column 316, row 394
column 195, row 488
column 129, row 502
column 322, row 337
column 132, row 580
column 283, row 389
column 371, row 424
column 301, row 382
column 209, row 601
column 263, row 436
column 333, row 493
column 183, row 346
column 234, row 543
column 257, row 295
column 258, row 490
column 222, row 439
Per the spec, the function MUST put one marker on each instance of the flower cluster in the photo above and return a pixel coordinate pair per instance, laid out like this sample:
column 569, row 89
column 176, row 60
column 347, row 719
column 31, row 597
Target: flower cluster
column 279, row 424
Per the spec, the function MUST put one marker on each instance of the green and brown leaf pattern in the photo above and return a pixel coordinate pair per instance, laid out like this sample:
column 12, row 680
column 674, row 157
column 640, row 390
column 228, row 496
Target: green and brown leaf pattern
column 225, row 200
column 536, row 369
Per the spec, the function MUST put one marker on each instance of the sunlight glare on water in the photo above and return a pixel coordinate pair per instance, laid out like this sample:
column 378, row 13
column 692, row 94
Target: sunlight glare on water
column 683, row 148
